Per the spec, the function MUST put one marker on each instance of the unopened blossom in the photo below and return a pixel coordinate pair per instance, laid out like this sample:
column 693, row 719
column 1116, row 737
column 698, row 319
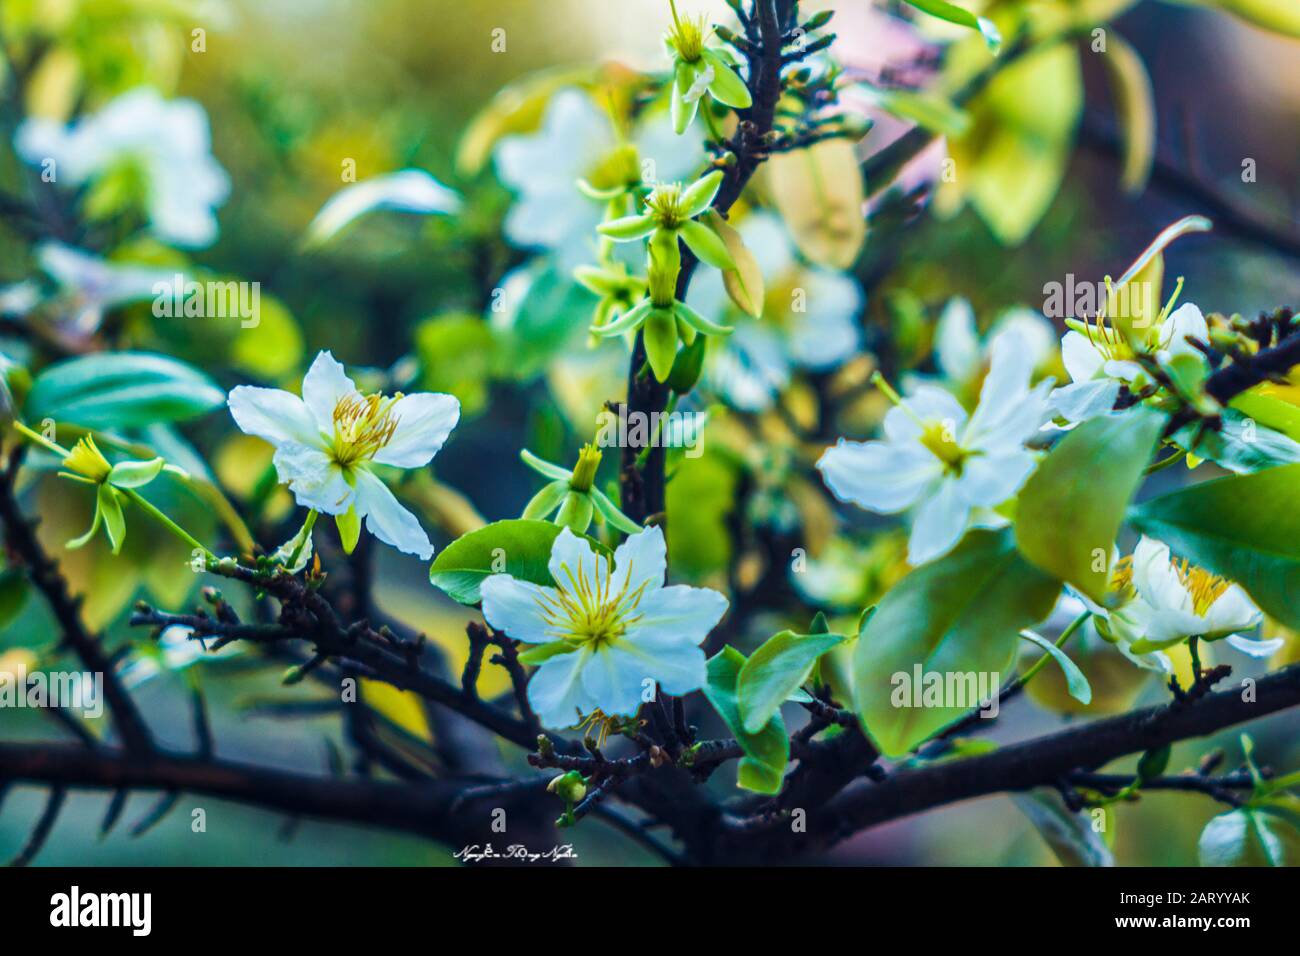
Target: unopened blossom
column 605, row 632
column 328, row 441
column 1101, row 358
column 941, row 464
column 139, row 148
column 572, row 495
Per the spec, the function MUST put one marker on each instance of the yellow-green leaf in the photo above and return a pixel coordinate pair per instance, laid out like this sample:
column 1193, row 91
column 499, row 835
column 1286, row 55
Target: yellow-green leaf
column 819, row 193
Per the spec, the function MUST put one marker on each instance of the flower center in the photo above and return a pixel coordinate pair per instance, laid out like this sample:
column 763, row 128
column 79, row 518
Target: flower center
column 588, row 612
column 621, row 166
column 363, row 424
column 86, row 461
column 665, row 204
column 1204, row 587
column 687, row 37
column 1108, row 340
column 939, row 438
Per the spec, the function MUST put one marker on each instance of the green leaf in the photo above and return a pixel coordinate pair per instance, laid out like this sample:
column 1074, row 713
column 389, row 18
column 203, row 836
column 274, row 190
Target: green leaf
column 1070, row 835
column 1135, row 109
column 1153, row 763
column 1070, row 510
column 134, row 474
column 518, row 547
column 121, row 390
column 1249, row 836
column 13, row 594
column 961, row 615
column 925, row 109
column 819, row 193
column 1240, row 445
column 1266, row 408
column 744, row 283
column 1244, row 527
column 111, row 510
column 767, row 752
column 962, row 17
column 775, row 671
column 1075, row 680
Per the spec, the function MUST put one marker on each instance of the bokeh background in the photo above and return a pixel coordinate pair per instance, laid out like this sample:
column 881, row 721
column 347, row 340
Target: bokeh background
column 295, row 87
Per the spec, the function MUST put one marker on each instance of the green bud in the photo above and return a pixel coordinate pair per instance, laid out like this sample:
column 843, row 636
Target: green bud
column 584, row 472
column 819, row 20
column 687, row 367
column 570, row 787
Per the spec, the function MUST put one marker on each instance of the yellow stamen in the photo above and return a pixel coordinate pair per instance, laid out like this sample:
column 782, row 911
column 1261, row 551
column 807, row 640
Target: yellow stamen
column 87, row 461
column 938, row 437
column 588, row 612
column 363, row 424
column 1204, row 587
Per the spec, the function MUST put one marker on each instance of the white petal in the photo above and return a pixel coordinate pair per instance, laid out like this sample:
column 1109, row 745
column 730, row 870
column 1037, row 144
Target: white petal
column 676, row 667
column 1122, row 369
column 313, row 477
column 677, row 614
column 1081, row 358
column 929, row 403
column 1002, row 426
column 1085, row 400
column 939, row 525
column 424, row 421
column 326, row 382
column 989, row 480
column 880, row 476
column 387, row 520
column 572, row 557
column 1186, row 320
column 1256, row 649
column 274, row 415
column 1030, row 330
column 410, row 190
column 556, row 692
column 826, row 333
column 517, row 608
column 956, row 341
column 1157, row 579
column 1231, row 612
column 613, row 679
column 1008, row 411
column 641, row 559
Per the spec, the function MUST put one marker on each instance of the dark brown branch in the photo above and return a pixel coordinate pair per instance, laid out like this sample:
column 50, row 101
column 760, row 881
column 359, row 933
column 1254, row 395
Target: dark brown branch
column 1033, row 763
column 44, row 574
column 422, row 809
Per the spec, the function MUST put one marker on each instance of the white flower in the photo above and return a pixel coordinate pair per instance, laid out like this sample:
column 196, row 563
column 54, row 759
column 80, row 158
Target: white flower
column 962, row 356
column 1175, row 601
column 174, row 651
column 1100, row 359
column 327, row 441
column 576, row 141
column 409, row 190
column 165, row 143
column 613, row 628
column 93, row 285
column 935, row 460
column 755, row 363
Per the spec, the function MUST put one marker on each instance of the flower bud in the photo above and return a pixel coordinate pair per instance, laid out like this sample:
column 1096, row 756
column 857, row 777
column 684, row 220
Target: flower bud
column 86, row 461
column 570, row 787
